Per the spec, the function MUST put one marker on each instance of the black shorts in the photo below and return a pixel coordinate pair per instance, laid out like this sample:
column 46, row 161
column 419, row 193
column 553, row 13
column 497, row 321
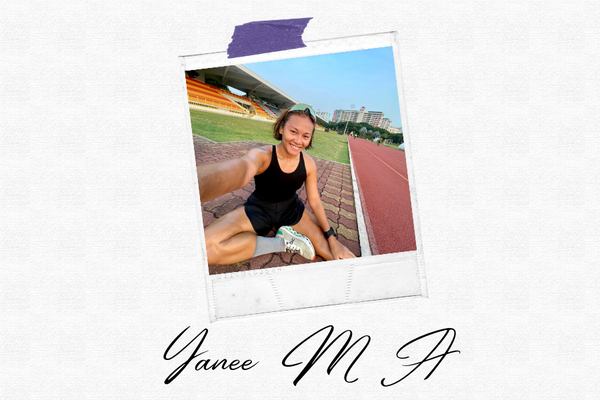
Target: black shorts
column 265, row 216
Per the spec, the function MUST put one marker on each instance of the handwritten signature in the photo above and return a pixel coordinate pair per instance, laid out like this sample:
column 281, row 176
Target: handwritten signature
column 409, row 351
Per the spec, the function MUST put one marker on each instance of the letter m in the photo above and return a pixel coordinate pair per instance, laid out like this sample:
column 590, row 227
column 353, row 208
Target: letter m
column 323, row 349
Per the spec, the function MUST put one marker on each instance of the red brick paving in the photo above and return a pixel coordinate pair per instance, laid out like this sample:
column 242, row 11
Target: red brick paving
column 348, row 223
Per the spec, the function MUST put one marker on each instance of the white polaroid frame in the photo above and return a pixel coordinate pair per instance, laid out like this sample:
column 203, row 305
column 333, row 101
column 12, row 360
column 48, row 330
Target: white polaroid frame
column 294, row 287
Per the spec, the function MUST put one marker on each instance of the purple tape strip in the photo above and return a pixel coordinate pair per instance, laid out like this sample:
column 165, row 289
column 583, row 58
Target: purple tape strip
column 267, row 36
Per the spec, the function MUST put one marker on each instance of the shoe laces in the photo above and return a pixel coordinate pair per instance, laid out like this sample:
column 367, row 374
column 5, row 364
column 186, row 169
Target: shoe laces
column 291, row 248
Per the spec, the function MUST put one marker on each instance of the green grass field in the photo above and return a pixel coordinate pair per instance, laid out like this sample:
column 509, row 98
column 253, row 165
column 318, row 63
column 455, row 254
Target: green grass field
column 223, row 128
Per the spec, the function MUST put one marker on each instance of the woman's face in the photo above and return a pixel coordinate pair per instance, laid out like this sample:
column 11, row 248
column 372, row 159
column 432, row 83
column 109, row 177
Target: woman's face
column 296, row 133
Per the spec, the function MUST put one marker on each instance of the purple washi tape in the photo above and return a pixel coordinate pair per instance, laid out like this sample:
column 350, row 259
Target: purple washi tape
column 259, row 37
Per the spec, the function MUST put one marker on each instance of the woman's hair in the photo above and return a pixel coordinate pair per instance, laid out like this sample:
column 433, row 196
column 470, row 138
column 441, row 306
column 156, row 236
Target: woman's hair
column 285, row 115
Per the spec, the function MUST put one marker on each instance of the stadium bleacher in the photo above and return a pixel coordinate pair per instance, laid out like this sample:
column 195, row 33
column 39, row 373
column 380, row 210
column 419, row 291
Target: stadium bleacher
column 267, row 109
column 231, row 94
column 260, row 111
column 205, row 94
column 275, row 111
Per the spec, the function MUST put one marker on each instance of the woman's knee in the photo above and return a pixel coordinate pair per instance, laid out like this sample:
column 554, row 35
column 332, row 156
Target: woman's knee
column 214, row 235
column 212, row 244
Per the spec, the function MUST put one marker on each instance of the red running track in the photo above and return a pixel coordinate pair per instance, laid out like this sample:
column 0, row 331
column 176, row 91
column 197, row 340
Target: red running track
column 383, row 187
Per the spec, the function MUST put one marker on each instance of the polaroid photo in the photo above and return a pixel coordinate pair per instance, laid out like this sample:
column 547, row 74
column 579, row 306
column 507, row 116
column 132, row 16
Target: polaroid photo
column 264, row 245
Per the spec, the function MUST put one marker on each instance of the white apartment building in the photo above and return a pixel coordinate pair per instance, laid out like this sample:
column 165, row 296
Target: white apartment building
column 323, row 114
column 373, row 118
column 385, row 123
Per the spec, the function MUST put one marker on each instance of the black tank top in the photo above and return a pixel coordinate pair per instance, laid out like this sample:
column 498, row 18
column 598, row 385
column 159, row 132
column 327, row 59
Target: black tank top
column 276, row 186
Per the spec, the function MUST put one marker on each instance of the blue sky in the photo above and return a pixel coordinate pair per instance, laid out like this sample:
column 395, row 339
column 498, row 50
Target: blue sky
column 336, row 81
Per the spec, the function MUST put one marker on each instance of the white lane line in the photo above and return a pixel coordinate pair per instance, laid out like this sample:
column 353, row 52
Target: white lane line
column 405, row 178
column 363, row 237
column 401, row 161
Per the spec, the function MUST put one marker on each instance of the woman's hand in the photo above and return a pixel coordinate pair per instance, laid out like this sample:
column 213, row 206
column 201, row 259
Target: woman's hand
column 338, row 250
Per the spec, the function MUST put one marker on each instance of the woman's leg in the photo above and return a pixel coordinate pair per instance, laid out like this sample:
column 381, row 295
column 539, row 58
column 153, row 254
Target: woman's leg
column 230, row 239
column 309, row 226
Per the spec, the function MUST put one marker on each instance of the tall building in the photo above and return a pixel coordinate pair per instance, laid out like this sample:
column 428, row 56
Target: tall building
column 361, row 114
column 349, row 115
column 336, row 116
column 394, row 129
column 323, row 114
column 385, row 123
column 373, row 118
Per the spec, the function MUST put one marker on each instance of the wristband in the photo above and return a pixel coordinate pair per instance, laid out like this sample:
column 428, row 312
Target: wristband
column 329, row 233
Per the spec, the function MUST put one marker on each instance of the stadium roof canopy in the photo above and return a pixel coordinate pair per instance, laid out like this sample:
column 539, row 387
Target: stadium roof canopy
column 243, row 79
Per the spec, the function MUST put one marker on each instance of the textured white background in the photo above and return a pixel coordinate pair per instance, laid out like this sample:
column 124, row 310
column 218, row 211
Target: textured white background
column 99, row 256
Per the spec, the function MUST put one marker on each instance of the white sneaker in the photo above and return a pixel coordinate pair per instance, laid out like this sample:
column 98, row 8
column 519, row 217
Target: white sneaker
column 296, row 242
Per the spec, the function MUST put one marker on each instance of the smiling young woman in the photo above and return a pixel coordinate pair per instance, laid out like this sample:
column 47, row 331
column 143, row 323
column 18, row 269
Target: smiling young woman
column 278, row 171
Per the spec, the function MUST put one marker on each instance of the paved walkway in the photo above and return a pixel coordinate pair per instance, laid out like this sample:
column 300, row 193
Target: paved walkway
column 334, row 183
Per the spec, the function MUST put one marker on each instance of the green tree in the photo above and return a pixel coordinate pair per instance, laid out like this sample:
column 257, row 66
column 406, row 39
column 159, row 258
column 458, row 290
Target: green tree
column 218, row 84
column 396, row 138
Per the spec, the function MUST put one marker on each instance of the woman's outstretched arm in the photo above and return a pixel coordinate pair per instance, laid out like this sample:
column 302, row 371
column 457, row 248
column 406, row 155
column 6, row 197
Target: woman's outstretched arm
column 218, row 179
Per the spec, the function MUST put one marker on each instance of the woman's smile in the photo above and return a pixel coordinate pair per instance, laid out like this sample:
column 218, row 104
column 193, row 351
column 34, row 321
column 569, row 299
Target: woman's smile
column 297, row 147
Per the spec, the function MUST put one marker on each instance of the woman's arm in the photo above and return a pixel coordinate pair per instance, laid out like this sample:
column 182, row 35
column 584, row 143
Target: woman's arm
column 218, row 179
column 338, row 250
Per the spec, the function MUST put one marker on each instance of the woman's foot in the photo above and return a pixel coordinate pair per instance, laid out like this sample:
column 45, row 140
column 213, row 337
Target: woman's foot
column 296, row 242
